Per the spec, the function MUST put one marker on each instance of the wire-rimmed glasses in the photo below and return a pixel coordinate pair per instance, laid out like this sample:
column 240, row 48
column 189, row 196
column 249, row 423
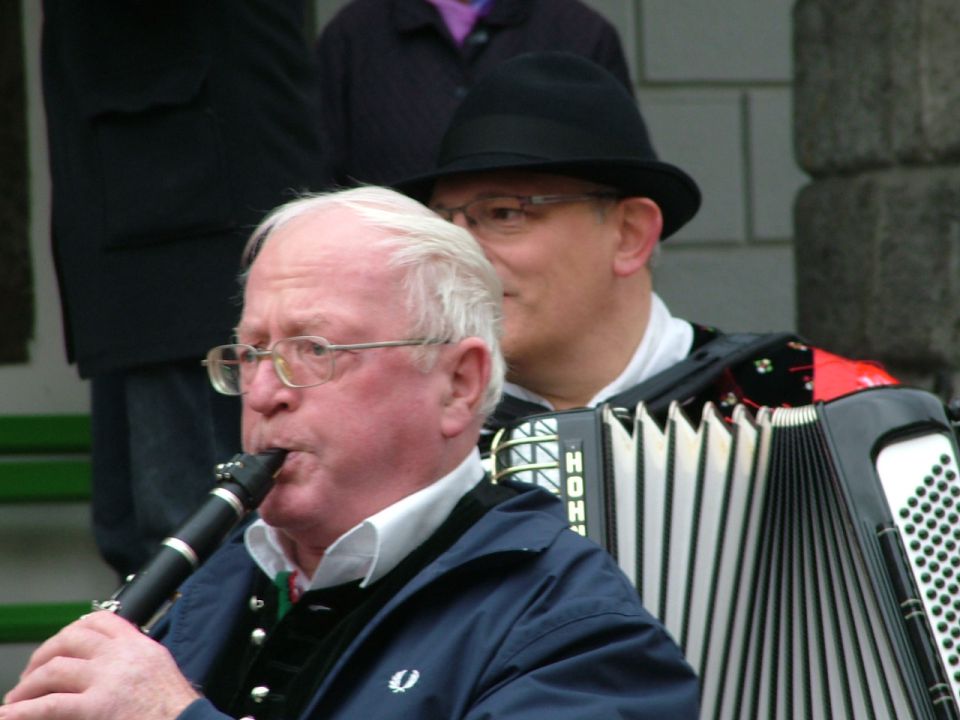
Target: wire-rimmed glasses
column 507, row 214
column 300, row 362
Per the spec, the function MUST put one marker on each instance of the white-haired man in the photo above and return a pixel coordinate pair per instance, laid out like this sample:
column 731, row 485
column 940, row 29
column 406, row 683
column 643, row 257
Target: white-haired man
column 385, row 577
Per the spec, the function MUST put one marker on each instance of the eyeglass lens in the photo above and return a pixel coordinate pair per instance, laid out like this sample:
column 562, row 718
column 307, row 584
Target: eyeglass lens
column 299, row 362
column 509, row 213
column 497, row 214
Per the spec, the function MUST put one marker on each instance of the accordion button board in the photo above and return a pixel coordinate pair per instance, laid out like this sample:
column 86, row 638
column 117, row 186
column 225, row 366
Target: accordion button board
column 919, row 476
column 807, row 560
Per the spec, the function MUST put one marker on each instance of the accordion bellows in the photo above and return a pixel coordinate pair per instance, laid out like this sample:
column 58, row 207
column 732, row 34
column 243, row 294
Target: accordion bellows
column 807, row 560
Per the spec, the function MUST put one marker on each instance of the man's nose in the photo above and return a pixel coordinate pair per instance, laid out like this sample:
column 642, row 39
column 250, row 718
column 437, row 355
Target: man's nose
column 265, row 393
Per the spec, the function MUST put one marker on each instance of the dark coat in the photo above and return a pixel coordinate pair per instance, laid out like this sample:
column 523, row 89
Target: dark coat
column 520, row 618
column 391, row 75
column 173, row 128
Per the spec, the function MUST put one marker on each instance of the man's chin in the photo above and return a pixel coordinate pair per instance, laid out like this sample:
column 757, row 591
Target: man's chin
column 281, row 510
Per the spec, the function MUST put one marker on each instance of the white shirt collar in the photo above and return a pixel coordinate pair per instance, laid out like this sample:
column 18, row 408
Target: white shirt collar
column 375, row 546
column 666, row 342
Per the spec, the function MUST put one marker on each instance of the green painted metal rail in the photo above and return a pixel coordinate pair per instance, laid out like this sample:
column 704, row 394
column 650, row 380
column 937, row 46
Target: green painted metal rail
column 32, row 622
column 44, row 434
column 28, row 481
column 43, row 459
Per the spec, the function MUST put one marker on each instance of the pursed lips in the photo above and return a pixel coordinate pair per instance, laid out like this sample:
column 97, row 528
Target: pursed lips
column 289, row 460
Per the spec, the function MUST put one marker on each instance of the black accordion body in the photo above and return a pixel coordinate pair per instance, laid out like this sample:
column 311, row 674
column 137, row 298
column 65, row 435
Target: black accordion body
column 807, row 560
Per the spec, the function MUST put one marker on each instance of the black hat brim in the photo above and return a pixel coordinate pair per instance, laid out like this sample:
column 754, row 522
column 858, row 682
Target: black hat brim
column 672, row 189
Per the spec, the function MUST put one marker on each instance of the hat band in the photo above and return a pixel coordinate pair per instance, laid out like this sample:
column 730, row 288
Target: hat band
column 535, row 138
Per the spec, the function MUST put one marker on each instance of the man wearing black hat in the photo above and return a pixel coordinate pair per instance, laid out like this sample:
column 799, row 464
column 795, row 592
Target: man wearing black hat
column 549, row 164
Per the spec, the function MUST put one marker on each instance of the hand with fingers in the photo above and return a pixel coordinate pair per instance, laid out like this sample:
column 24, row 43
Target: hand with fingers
column 100, row 667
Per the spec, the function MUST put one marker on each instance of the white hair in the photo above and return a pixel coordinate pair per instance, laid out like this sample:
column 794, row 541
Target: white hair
column 452, row 290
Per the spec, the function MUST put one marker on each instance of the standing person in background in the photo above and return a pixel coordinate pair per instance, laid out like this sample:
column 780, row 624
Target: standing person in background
column 393, row 71
column 173, row 126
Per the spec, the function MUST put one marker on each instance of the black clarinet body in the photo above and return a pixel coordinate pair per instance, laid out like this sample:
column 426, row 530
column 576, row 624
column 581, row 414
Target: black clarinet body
column 243, row 482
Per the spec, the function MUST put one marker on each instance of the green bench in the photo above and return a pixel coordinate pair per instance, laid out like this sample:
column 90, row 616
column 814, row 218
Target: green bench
column 43, row 459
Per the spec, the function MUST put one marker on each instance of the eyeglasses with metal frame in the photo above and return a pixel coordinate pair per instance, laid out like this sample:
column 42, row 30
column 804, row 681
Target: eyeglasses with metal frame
column 507, row 214
column 299, row 362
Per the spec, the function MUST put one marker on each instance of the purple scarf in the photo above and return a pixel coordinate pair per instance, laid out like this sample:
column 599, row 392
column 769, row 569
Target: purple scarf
column 461, row 17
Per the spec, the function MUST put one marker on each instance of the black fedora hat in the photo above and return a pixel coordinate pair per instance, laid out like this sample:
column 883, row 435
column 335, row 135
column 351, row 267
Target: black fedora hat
column 556, row 112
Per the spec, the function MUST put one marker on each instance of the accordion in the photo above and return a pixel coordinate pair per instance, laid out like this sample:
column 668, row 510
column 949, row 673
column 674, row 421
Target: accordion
column 807, row 560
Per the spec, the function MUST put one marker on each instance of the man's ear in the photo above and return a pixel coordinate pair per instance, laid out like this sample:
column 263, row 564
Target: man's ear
column 640, row 225
column 467, row 368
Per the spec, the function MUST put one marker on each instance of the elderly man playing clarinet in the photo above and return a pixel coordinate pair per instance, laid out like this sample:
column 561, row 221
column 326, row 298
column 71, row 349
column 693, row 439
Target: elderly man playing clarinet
column 385, row 575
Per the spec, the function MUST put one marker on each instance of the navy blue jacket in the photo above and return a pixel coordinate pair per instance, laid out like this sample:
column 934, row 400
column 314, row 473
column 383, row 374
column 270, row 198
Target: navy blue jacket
column 391, row 74
column 520, row 618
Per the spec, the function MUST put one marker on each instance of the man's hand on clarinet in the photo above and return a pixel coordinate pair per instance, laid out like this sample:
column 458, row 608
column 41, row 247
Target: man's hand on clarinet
column 100, row 667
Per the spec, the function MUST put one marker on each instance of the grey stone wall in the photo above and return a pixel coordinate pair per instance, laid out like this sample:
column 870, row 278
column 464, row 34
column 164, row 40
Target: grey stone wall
column 714, row 82
column 878, row 227
column 16, row 292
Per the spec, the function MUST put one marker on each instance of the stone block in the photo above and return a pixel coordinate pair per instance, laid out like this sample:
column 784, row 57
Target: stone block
column 702, row 132
column 774, row 175
column 875, row 83
column 734, row 40
column 842, row 84
column 878, row 266
column 736, row 287
column 939, row 59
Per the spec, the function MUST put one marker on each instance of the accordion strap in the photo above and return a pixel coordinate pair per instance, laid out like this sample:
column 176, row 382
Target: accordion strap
column 511, row 409
column 696, row 372
column 681, row 382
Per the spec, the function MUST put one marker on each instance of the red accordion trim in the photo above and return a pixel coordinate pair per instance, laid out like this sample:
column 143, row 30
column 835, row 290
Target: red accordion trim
column 834, row 376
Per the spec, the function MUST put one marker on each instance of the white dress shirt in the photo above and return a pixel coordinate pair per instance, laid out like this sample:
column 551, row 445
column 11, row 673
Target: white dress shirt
column 375, row 546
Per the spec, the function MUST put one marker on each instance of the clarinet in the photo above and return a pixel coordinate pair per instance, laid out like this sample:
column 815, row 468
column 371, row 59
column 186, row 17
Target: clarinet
column 243, row 482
